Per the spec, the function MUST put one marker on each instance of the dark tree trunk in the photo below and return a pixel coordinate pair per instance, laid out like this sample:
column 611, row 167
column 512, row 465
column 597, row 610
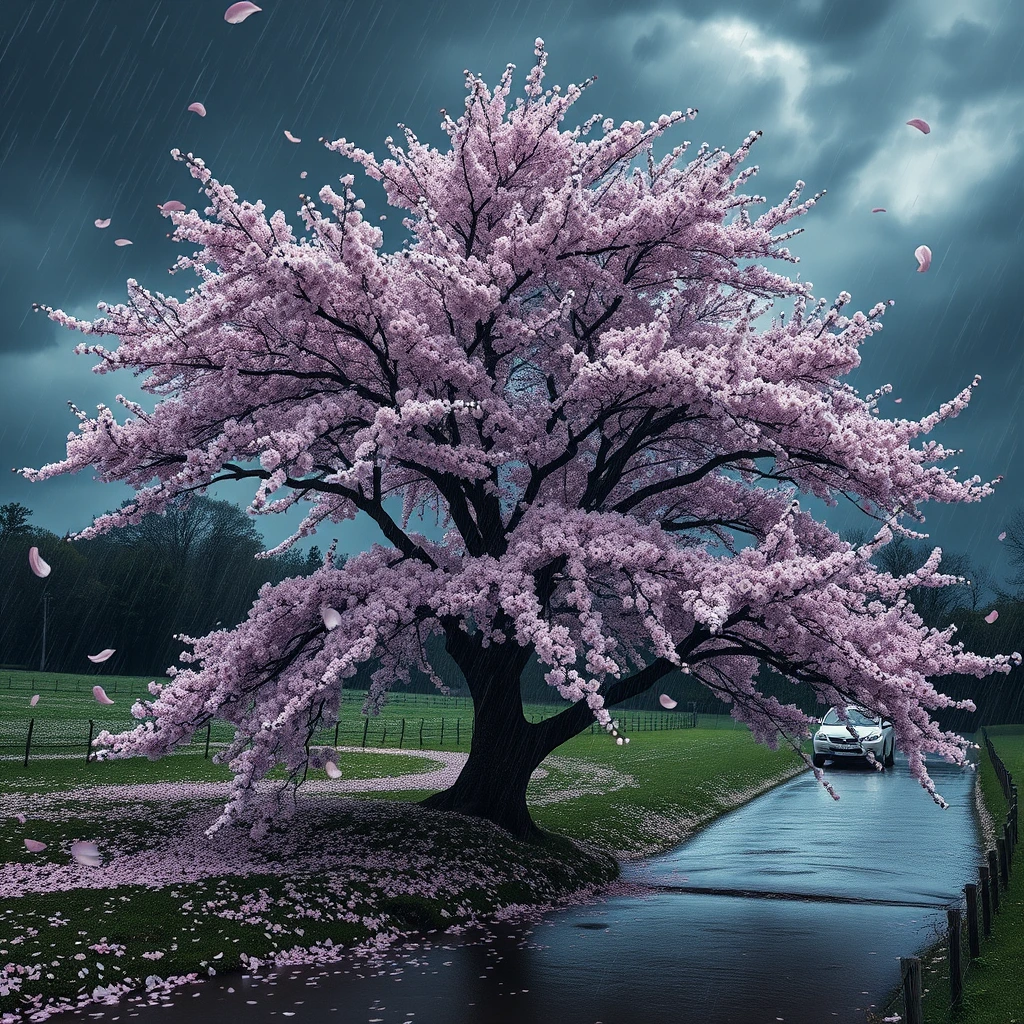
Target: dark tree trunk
column 506, row 748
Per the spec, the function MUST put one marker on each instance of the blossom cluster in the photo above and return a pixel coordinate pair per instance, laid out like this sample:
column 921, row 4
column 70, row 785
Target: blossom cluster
column 564, row 367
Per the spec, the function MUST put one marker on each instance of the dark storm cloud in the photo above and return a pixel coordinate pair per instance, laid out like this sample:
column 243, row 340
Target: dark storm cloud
column 95, row 95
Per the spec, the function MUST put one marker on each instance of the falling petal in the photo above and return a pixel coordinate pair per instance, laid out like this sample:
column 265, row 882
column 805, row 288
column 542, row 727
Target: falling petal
column 920, row 124
column 923, row 255
column 34, row 847
column 237, row 13
column 171, row 206
column 992, row 616
column 667, row 701
column 1002, row 536
column 34, row 701
column 333, row 771
column 302, row 174
column 102, row 656
column 21, row 818
column 332, row 619
column 878, row 209
column 897, row 400
column 197, row 108
column 101, row 697
column 291, row 138
column 122, row 241
column 38, row 566
column 102, row 223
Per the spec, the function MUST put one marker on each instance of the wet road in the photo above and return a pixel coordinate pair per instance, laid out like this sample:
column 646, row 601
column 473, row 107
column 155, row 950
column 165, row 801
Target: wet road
column 793, row 908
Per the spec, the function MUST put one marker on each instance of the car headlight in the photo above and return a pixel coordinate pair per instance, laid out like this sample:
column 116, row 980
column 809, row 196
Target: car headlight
column 820, row 737
column 872, row 736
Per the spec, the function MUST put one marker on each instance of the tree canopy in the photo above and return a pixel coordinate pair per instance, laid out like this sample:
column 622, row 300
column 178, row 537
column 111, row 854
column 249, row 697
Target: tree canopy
column 568, row 366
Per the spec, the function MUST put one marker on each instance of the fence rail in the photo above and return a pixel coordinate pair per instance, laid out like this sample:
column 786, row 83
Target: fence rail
column 993, row 882
column 406, row 732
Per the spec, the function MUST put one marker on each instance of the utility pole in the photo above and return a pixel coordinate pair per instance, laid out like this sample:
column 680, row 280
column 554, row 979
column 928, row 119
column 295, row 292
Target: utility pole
column 42, row 656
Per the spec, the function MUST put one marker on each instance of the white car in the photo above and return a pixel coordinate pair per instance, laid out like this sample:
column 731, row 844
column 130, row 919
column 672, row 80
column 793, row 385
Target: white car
column 833, row 741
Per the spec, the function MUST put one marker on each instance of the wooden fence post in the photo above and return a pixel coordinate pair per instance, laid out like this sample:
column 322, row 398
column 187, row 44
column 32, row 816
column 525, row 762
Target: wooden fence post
column 336, row 726
column 1008, row 844
column 442, row 732
column 986, row 901
column 973, row 942
column 956, row 976
column 366, row 725
column 910, row 971
column 458, row 737
column 401, row 739
column 88, row 745
column 993, row 880
column 206, row 751
column 1004, row 873
column 28, row 741
column 421, row 734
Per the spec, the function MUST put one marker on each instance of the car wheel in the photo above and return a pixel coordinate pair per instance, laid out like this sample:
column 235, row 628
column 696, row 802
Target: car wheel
column 818, row 760
column 891, row 758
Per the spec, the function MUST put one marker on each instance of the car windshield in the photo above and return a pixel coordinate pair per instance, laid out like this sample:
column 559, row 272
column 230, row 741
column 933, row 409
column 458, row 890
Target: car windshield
column 854, row 717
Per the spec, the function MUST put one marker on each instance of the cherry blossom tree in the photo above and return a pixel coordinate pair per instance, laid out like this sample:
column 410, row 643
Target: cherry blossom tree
column 567, row 367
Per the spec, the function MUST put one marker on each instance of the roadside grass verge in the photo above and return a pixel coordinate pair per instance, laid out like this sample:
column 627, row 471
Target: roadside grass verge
column 993, row 993
column 170, row 902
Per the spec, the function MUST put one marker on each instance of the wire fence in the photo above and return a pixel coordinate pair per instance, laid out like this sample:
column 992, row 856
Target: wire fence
column 964, row 929
column 46, row 736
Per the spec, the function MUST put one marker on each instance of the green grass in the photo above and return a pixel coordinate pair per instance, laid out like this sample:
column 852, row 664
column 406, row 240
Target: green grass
column 993, row 993
column 44, row 775
column 66, row 705
column 633, row 800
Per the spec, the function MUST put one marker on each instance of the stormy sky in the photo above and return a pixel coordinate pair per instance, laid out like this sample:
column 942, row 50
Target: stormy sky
column 94, row 95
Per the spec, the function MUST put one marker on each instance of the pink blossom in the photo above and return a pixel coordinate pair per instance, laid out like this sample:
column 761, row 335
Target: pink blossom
column 579, row 386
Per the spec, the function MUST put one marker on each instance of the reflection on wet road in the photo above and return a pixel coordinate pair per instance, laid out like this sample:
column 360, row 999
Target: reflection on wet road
column 794, row 908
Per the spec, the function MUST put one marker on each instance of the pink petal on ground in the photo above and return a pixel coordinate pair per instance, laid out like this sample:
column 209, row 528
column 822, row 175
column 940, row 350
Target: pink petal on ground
column 102, row 223
column 333, row 771
column 992, row 616
column 102, row 656
column 171, row 206
column 122, row 241
column 86, row 853
column 197, row 108
column 237, row 13
column 920, row 124
column 923, row 255
column 878, row 209
column 332, row 619
column 1002, row 536
column 101, row 697
column 291, row 138
column 36, row 564
column 34, row 847
column 34, row 701
column 666, row 701
column 21, row 818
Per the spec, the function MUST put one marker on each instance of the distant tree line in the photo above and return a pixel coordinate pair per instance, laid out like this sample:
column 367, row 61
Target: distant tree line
column 190, row 570
column 193, row 569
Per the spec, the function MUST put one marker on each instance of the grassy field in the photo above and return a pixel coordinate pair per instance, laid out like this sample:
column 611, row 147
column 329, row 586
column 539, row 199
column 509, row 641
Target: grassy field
column 175, row 902
column 409, row 720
